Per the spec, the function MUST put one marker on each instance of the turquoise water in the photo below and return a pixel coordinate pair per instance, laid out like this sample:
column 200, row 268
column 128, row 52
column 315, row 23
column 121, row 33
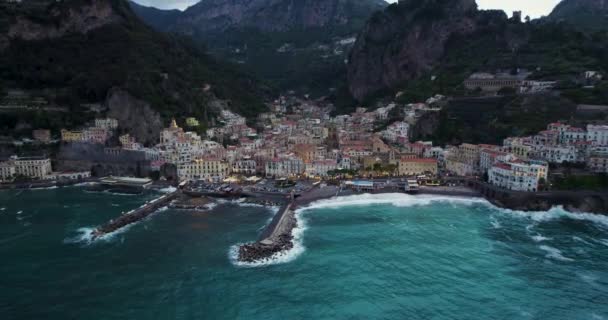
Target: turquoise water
column 365, row 257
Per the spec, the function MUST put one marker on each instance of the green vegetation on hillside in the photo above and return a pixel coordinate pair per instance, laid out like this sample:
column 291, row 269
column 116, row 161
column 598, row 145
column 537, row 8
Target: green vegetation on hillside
column 490, row 120
column 597, row 182
column 169, row 72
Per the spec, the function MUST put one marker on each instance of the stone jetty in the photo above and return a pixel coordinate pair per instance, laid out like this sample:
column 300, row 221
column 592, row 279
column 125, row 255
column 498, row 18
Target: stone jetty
column 276, row 238
column 134, row 215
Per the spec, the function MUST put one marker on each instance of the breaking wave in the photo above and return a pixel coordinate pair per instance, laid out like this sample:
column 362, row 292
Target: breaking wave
column 556, row 213
column 395, row 199
column 554, row 253
column 405, row 200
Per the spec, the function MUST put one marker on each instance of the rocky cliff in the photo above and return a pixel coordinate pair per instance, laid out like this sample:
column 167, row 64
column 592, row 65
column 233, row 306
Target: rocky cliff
column 80, row 50
column 61, row 20
column 143, row 122
column 588, row 15
column 274, row 15
column 292, row 44
column 406, row 40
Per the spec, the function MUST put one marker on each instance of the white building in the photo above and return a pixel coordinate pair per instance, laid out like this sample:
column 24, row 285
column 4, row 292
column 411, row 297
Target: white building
column 558, row 154
column 107, row 123
column 395, row 131
column 38, row 168
column 285, row 167
column 244, row 166
column 7, row 171
column 518, row 175
column 70, row 175
column 597, row 135
column 319, row 168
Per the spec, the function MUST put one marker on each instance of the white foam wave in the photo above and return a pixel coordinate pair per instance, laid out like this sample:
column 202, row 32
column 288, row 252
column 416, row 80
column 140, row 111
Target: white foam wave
column 19, row 212
column 85, row 184
column 45, row 188
column 168, row 190
column 539, row 238
column 241, row 203
column 404, row 200
column 556, row 213
column 210, row 206
column 395, row 199
column 279, row 257
column 581, row 240
column 85, row 235
column 2, row 209
column 554, row 253
column 603, row 241
column 495, row 224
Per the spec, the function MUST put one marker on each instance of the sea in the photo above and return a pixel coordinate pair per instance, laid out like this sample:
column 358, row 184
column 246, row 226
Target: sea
column 390, row 256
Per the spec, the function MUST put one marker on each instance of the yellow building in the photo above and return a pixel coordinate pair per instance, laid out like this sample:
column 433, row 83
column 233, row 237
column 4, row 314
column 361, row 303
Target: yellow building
column 71, row 136
column 417, row 166
column 126, row 139
column 469, row 153
column 204, row 169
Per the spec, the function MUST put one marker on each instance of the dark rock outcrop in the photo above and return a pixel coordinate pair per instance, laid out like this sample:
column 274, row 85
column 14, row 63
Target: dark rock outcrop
column 135, row 116
column 406, row 40
column 65, row 19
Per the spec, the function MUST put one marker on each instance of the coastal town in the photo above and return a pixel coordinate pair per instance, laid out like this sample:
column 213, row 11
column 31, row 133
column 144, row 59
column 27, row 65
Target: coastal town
column 299, row 139
column 304, row 159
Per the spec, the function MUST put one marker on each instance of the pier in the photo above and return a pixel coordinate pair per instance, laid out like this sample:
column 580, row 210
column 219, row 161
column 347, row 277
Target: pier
column 277, row 237
column 134, row 215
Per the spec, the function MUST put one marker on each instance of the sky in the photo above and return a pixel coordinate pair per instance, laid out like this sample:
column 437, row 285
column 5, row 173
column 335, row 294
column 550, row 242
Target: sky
column 533, row 8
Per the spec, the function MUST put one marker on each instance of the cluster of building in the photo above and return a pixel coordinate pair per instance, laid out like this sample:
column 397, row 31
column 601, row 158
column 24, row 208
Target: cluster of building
column 521, row 163
column 299, row 138
column 100, row 132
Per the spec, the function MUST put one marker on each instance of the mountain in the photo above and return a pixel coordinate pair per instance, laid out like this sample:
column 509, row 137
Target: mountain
column 78, row 52
column 405, row 40
column 211, row 16
column 589, row 15
column 293, row 44
column 156, row 18
column 423, row 47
